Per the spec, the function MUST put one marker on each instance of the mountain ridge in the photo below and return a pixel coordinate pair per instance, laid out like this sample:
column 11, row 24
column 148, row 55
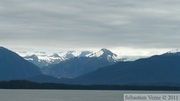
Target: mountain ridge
column 155, row 70
column 78, row 66
column 41, row 59
column 12, row 66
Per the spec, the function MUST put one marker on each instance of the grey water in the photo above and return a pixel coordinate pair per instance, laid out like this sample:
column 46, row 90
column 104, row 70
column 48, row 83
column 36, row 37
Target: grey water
column 70, row 95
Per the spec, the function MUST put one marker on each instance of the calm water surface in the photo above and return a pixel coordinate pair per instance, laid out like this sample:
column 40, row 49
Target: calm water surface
column 68, row 95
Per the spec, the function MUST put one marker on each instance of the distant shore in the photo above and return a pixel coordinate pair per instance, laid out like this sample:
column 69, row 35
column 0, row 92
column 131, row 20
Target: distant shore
column 23, row 84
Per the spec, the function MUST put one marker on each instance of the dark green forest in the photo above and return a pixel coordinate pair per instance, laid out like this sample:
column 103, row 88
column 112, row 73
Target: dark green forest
column 23, row 84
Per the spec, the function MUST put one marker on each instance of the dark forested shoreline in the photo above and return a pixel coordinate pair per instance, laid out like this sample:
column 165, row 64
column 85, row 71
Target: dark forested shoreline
column 23, row 84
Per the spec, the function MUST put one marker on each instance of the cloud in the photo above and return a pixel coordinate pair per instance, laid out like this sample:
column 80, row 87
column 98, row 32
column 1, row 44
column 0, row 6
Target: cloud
column 90, row 23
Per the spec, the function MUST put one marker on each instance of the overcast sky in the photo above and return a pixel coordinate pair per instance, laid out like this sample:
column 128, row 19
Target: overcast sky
column 134, row 25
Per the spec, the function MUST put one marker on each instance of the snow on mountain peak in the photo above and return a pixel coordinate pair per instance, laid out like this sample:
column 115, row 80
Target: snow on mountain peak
column 72, row 54
column 43, row 59
column 105, row 53
column 105, row 50
column 31, row 57
column 69, row 55
column 55, row 55
column 85, row 53
column 108, row 52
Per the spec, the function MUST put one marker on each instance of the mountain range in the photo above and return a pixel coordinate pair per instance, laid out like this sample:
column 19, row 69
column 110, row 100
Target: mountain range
column 160, row 70
column 156, row 70
column 42, row 59
column 78, row 66
column 72, row 64
column 15, row 67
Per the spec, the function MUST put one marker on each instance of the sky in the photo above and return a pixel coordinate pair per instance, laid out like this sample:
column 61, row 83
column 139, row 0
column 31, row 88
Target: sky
column 127, row 27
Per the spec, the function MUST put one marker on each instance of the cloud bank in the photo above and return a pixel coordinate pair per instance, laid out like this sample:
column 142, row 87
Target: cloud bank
column 81, row 24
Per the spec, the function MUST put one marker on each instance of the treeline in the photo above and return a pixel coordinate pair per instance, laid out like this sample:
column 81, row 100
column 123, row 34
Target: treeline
column 23, row 84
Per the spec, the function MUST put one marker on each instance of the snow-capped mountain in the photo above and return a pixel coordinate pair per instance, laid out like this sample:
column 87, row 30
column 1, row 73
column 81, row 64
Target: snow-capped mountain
column 105, row 53
column 85, row 53
column 72, row 54
column 44, row 60
column 41, row 59
column 83, row 63
column 160, row 70
column 69, row 55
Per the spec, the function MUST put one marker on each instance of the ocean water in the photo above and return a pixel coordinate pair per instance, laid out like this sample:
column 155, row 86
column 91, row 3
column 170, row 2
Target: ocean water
column 69, row 95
